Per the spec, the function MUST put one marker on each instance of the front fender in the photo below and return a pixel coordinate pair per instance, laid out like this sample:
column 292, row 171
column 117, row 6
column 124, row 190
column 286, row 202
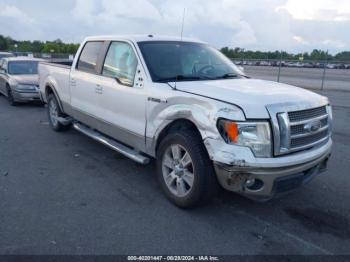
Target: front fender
column 203, row 113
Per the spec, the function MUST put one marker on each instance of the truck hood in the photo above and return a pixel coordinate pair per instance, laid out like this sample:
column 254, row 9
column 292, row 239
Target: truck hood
column 26, row 79
column 253, row 95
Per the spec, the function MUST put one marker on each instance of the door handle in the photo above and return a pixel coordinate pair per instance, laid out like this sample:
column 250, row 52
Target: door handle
column 99, row 89
column 72, row 81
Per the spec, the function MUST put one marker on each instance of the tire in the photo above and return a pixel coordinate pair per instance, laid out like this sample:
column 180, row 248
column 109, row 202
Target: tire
column 54, row 111
column 10, row 97
column 174, row 176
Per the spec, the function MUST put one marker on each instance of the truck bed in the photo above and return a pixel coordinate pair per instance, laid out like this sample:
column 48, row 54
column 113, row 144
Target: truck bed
column 56, row 72
column 59, row 62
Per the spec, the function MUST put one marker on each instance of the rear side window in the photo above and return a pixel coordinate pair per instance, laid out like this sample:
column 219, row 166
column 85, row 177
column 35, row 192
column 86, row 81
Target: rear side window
column 88, row 57
column 120, row 63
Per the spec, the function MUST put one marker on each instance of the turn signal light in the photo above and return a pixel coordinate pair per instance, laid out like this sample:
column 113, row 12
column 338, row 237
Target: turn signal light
column 231, row 129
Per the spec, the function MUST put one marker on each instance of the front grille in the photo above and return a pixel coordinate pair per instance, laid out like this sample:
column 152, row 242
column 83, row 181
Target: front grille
column 299, row 129
column 305, row 129
column 307, row 114
column 307, row 140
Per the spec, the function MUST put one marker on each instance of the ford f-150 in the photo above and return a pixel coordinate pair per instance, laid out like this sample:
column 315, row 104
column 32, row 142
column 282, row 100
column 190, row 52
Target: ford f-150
column 185, row 104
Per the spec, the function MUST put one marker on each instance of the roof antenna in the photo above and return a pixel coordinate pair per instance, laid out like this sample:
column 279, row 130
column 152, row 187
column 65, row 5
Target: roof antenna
column 183, row 21
column 182, row 30
column 173, row 87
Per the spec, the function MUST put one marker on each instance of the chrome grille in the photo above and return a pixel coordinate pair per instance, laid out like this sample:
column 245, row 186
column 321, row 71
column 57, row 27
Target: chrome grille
column 299, row 129
column 307, row 128
column 306, row 114
column 306, row 140
column 296, row 128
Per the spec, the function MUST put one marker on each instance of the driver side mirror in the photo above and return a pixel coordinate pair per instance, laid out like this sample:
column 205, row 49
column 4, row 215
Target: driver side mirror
column 2, row 71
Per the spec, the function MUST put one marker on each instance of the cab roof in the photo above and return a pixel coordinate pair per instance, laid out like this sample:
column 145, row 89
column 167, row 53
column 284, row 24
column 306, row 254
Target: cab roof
column 141, row 38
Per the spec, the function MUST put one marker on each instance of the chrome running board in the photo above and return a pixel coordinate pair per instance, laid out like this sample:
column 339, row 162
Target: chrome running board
column 116, row 146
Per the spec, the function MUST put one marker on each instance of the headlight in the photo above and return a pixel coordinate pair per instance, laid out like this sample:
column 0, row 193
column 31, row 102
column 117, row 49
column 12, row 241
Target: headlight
column 22, row 87
column 255, row 135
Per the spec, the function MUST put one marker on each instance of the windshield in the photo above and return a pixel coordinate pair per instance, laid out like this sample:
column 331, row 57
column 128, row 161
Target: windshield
column 184, row 61
column 23, row 67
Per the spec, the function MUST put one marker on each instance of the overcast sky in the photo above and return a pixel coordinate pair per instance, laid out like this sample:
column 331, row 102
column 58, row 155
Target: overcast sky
column 291, row 25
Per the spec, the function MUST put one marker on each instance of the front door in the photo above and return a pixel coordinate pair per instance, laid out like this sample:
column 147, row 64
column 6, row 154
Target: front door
column 123, row 97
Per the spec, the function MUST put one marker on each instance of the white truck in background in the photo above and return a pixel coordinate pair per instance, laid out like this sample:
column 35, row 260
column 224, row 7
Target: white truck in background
column 184, row 103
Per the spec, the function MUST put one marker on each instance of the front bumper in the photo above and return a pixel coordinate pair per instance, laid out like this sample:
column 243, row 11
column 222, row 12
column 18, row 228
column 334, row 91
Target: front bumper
column 276, row 176
column 26, row 96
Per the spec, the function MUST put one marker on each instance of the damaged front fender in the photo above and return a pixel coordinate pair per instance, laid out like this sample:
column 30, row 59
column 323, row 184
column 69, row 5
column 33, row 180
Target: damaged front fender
column 203, row 113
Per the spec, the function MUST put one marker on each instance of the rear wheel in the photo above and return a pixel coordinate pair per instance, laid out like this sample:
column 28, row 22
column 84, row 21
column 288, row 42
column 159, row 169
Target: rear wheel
column 185, row 172
column 54, row 113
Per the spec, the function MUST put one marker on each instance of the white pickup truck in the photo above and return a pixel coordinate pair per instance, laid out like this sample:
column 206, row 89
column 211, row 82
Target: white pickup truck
column 185, row 104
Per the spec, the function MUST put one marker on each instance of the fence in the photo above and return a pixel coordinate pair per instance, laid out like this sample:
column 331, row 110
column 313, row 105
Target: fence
column 53, row 56
column 322, row 75
column 308, row 74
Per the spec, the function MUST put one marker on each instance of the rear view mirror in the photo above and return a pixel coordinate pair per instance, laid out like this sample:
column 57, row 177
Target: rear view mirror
column 2, row 71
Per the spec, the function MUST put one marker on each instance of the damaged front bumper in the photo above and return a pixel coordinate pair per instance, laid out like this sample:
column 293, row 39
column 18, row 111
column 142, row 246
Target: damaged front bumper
column 264, row 178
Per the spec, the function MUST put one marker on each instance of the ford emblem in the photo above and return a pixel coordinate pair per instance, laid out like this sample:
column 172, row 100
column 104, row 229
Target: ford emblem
column 313, row 126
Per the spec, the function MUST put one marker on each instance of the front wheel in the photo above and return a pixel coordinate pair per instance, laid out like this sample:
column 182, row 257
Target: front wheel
column 184, row 169
column 10, row 97
column 54, row 112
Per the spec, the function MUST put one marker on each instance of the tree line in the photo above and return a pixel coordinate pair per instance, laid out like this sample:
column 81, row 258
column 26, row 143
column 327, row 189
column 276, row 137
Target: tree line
column 57, row 46
column 320, row 55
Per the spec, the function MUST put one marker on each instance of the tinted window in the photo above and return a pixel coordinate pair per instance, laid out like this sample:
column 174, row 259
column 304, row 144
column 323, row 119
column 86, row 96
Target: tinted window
column 120, row 63
column 181, row 61
column 88, row 58
column 23, row 67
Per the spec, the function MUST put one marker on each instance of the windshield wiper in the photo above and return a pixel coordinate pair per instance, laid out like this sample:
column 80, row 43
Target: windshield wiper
column 228, row 75
column 179, row 78
column 231, row 75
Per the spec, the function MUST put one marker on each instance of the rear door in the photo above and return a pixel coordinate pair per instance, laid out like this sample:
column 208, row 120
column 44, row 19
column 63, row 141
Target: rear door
column 84, row 84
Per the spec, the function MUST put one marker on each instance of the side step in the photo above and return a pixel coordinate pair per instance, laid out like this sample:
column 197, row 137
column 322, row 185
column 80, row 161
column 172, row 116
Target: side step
column 120, row 148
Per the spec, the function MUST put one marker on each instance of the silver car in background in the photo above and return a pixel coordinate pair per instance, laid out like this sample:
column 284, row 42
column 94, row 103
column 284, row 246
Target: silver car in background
column 19, row 79
column 6, row 54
